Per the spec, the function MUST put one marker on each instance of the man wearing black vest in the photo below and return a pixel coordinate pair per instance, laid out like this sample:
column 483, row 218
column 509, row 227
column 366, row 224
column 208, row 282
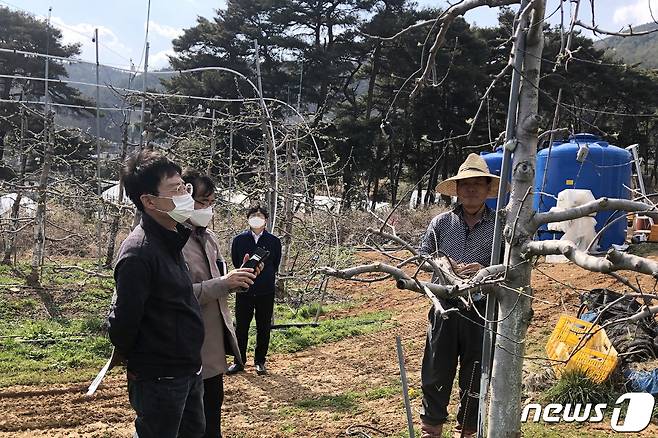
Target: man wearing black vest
column 155, row 323
column 259, row 298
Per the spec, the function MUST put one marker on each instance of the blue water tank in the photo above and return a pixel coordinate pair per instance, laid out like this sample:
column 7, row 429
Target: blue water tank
column 494, row 161
column 604, row 170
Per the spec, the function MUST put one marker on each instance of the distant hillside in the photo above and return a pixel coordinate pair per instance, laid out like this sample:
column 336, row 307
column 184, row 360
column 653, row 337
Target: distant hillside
column 83, row 72
column 637, row 49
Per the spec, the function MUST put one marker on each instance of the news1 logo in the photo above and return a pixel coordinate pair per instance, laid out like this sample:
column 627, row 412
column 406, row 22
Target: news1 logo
column 637, row 418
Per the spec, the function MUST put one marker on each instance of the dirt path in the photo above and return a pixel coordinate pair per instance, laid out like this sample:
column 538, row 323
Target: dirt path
column 318, row 392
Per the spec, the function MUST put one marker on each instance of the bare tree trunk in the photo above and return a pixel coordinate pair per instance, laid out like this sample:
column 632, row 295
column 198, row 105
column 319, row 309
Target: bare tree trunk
column 34, row 278
column 15, row 208
column 430, row 195
column 272, row 193
column 114, row 226
column 374, row 177
column 6, row 94
column 375, row 193
column 348, row 186
column 287, row 218
column 447, row 200
column 373, row 78
column 654, row 174
column 505, row 404
column 213, row 146
column 395, row 180
column 3, row 133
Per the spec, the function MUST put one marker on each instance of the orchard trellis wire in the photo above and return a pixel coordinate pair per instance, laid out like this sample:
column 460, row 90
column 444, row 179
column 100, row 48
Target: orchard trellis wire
column 191, row 138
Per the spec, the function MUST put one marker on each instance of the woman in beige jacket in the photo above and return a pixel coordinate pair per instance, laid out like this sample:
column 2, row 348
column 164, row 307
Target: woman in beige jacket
column 212, row 284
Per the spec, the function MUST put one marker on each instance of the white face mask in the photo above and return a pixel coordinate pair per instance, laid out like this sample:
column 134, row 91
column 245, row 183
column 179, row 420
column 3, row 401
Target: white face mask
column 256, row 222
column 201, row 217
column 183, row 207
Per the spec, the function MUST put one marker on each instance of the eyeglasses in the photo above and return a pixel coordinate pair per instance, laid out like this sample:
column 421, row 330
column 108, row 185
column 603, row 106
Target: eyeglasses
column 206, row 202
column 180, row 189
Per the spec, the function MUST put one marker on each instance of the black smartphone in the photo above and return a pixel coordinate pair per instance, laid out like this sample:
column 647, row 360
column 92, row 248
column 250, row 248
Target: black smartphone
column 259, row 256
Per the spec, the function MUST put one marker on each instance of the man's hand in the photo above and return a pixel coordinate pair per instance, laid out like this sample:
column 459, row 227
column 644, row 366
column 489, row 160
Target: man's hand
column 259, row 268
column 241, row 278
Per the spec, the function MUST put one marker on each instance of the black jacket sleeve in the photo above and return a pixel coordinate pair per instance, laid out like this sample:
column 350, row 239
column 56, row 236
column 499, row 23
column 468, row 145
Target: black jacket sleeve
column 276, row 257
column 235, row 253
column 132, row 276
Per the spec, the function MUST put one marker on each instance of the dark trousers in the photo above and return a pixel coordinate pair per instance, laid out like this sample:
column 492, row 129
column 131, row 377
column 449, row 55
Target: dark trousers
column 213, row 397
column 246, row 305
column 449, row 341
column 168, row 407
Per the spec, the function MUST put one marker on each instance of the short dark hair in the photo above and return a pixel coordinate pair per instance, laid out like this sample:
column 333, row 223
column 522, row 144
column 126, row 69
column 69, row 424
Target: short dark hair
column 198, row 180
column 143, row 171
column 258, row 209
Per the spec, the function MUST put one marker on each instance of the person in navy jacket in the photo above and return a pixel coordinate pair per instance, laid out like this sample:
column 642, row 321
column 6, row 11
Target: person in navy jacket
column 258, row 300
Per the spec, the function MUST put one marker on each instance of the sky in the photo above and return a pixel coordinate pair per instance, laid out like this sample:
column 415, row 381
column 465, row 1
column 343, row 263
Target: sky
column 122, row 24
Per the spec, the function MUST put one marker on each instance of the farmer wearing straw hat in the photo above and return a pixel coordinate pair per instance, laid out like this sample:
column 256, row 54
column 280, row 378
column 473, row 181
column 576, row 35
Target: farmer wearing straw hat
column 463, row 234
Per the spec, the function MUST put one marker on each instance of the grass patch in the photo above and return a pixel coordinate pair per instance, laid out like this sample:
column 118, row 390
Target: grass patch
column 90, row 301
column 47, row 351
column 294, row 339
column 7, row 276
column 305, row 313
column 405, row 433
column 34, row 349
column 288, row 412
column 50, row 351
column 12, row 308
column 383, row 392
column 575, row 387
column 288, row 429
column 340, row 402
column 347, row 401
column 76, row 293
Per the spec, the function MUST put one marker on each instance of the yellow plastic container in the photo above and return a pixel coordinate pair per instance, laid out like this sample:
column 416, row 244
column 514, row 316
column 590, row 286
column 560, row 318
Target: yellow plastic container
column 595, row 354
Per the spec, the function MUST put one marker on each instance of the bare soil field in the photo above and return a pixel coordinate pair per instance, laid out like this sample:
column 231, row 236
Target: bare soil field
column 321, row 391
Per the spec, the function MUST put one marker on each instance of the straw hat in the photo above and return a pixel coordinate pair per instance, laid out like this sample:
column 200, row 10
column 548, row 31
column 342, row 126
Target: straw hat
column 473, row 167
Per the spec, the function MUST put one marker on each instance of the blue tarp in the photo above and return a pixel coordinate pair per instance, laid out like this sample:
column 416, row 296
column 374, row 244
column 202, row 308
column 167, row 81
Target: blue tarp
column 642, row 381
column 589, row 316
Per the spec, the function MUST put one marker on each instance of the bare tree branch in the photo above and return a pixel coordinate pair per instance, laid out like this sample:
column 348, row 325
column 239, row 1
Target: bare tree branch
column 397, row 273
column 404, row 281
column 647, row 312
column 596, row 29
column 488, row 273
column 613, row 261
column 403, row 31
column 446, row 20
column 600, row 204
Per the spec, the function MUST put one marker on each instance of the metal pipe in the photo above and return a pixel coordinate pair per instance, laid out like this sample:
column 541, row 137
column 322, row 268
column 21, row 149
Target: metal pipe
column 405, row 386
column 213, row 143
column 45, row 93
column 146, row 68
column 636, row 159
column 98, row 152
column 505, row 171
column 270, row 148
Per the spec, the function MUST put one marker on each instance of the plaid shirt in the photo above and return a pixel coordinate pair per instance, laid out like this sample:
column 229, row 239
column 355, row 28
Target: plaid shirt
column 449, row 233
